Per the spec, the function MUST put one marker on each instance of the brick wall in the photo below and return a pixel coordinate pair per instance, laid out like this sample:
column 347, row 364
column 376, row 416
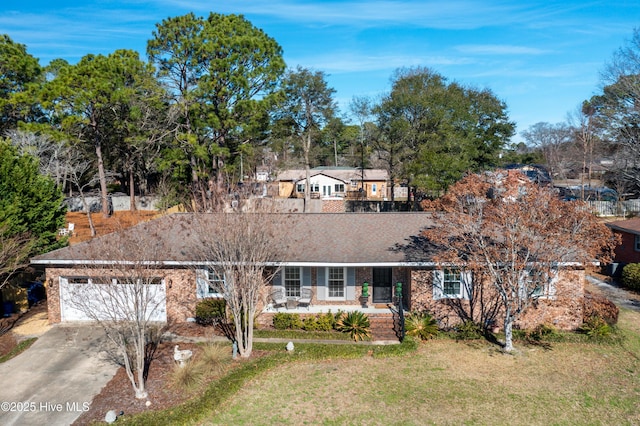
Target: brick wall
column 564, row 311
column 333, row 206
column 625, row 252
column 180, row 285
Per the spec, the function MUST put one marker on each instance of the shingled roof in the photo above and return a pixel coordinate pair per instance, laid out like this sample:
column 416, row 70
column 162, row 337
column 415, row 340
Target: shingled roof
column 631, row 226
column 313, row 239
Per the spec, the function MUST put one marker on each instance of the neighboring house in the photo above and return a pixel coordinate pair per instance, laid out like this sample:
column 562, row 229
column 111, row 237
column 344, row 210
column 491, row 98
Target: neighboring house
column 628, row 251
column 330, row 254
column 335, row 182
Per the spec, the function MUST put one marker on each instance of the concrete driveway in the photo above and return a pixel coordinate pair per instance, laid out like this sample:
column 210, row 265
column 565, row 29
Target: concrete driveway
column 55, row 380
column 616, row 294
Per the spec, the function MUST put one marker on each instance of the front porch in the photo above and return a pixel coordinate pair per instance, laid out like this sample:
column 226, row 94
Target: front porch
column 371, row 309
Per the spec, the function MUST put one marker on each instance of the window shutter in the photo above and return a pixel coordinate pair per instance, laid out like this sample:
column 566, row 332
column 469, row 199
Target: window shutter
column 466, row 279
column 351, row 284
column 553, row 280
column 202, row 286
column 278, row 280
column 306, row 277
column 437, row 279
column 321, row 285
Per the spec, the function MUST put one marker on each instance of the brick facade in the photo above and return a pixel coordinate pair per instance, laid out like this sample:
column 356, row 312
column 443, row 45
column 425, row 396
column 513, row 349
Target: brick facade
column 563, row 311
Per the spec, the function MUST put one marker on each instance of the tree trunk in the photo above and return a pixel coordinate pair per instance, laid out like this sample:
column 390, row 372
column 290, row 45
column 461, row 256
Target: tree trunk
column 307, row 166
column 132, row 192
column 508, row 331
column 103, row 181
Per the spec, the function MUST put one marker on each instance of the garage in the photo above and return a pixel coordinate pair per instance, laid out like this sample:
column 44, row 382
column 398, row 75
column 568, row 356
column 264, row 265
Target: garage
column 112, row 299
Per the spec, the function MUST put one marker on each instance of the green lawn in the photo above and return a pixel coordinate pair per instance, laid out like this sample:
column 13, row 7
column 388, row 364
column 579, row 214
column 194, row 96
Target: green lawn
column 443, row 382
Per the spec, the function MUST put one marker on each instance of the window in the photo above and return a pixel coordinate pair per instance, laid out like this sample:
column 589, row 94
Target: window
column 335, row 282
column 374, row 188
column 538, row 284
column 78, row 280
column 292, row 282
column 326, row 190
column 210, row 283
column 452, row 284
column 300, row 187
column 339, row 187
column 315, row 187
column 637, row 243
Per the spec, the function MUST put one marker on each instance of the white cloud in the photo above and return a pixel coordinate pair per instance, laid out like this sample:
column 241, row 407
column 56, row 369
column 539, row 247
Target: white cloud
column 499, row 49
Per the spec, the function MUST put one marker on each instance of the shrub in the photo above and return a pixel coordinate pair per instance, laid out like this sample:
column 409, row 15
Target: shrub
column 213, row 357
column 596, row 328
column 631, row 276
column 210, row 311
column 421, row 324
column 542, row 332
column 187, row 377
column 287, row 321
column 469, row 330
column 325, row 322
column 356, row 324
column 310, row 324
column 595, row 305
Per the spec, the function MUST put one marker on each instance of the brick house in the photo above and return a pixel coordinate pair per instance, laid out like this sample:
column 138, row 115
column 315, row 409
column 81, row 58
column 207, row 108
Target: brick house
column 333, row 255
column 628, row 251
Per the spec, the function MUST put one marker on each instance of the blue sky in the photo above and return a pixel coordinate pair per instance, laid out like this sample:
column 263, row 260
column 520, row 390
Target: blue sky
column 543, row 58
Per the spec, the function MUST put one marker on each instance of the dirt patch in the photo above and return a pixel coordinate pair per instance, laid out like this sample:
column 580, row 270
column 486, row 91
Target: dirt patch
column 17, row 327
column 104, row 225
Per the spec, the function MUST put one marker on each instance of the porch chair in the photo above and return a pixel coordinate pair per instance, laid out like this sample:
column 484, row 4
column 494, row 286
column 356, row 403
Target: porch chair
column 306, row 294
column 278, row 298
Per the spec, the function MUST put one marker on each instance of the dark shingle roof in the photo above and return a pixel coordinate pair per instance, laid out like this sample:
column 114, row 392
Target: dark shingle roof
column 356, row 238
column 631, row 226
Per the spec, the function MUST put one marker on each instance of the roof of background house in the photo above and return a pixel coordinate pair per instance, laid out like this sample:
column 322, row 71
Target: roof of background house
column 343, row 173
column 314, row 239
column 631, row 226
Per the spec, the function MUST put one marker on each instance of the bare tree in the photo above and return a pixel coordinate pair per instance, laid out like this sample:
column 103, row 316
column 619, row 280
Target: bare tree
column 52, row 154
column 125, row 296
column 516, row 233
column 238, row 248
column 14, row 253
column 585, row 139
column 552, row 140
column 617, row 111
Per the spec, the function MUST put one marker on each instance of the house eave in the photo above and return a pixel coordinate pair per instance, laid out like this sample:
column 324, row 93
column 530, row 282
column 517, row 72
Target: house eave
column 174, row 263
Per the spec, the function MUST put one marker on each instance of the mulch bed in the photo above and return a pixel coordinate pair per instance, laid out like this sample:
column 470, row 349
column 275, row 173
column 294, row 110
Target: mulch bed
column 118, row 395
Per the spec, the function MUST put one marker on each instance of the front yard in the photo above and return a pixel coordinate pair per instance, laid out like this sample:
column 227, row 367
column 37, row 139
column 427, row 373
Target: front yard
column 443, row 382
column 454, row 383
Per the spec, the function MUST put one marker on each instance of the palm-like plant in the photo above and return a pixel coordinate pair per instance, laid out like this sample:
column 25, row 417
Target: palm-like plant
column 421, row 324
column 356, row 324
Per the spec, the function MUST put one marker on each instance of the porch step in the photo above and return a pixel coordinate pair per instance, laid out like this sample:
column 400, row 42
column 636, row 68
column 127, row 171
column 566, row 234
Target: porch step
column 382, row 327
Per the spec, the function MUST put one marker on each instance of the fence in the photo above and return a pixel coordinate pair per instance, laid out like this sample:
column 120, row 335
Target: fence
column 615, row 208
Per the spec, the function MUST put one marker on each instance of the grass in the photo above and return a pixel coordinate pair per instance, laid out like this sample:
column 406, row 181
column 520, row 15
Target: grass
column 18, row 349
column 298, row 334
column 573, row 381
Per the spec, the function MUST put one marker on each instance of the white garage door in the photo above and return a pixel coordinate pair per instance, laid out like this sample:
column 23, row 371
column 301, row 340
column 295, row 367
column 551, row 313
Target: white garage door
column 86, row 299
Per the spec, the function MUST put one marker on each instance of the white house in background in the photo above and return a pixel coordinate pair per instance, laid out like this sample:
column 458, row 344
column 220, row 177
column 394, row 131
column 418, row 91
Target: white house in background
column 335, row 182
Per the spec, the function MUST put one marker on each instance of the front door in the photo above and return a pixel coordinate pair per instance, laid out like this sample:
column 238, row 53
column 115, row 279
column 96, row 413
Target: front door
column 382, row 285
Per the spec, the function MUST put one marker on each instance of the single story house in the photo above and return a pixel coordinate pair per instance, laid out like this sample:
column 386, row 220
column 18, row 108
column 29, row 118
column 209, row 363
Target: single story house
column 628, row 251
column 332, row 255
column 335, row 182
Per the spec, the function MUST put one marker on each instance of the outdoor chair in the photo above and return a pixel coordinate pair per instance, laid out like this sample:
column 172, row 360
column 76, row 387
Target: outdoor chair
column 306, row 294
column 278, row 298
